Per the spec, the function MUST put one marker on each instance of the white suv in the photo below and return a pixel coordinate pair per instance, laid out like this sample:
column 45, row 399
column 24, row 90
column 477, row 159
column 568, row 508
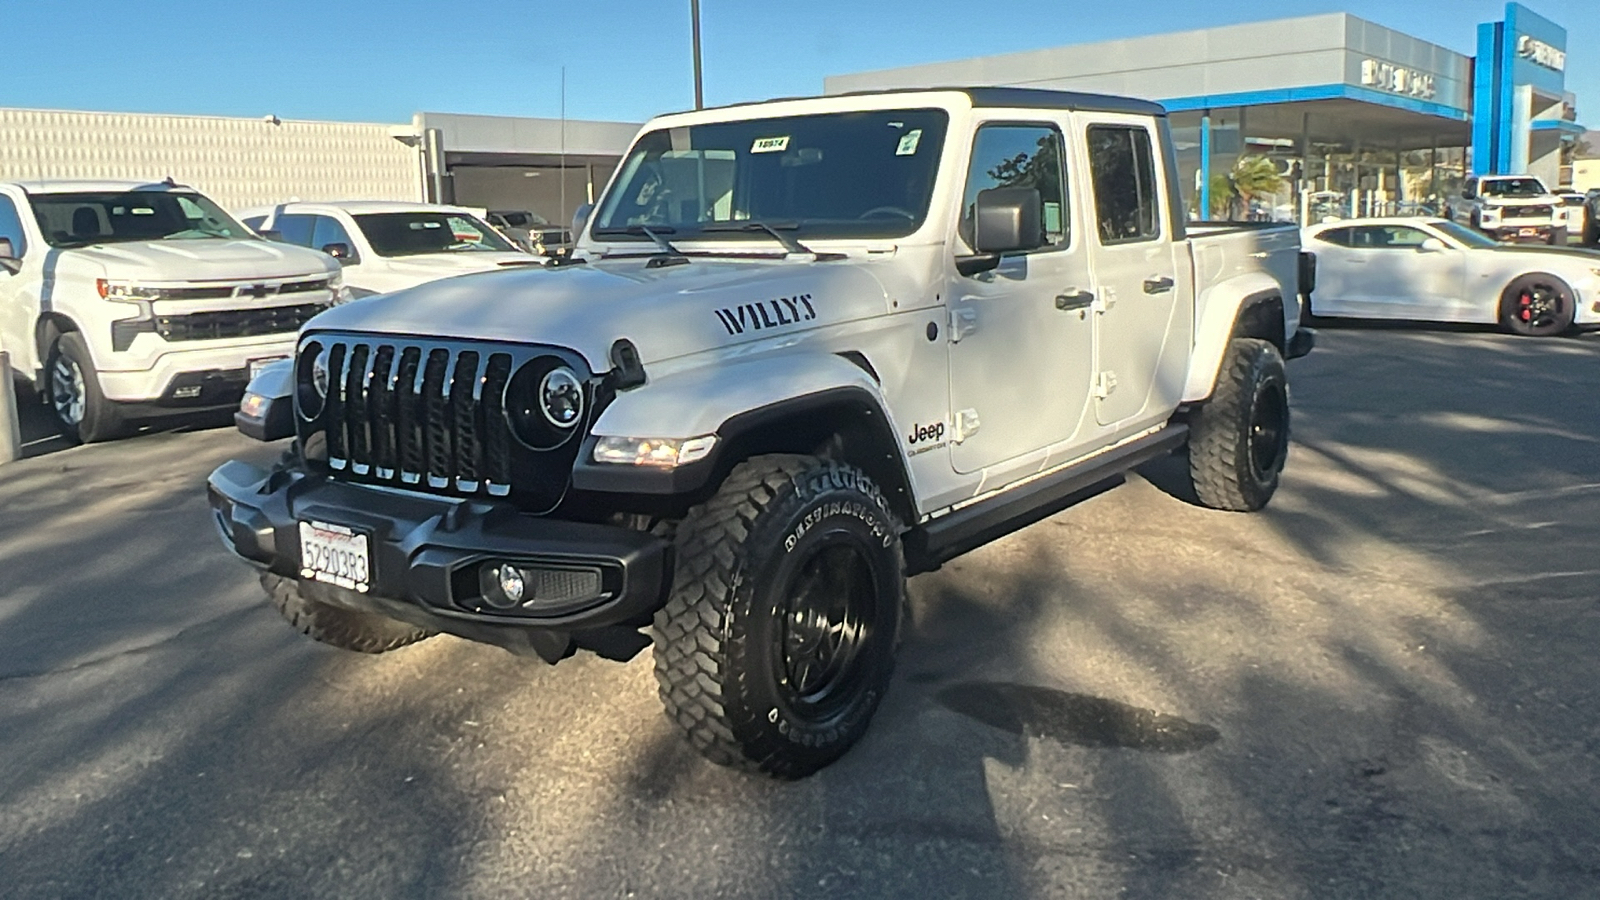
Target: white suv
column 1514, row 208
column 120, row 299
column 387, row 246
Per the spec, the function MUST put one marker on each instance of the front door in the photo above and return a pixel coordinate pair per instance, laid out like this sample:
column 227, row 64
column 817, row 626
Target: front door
column 1400, row 279
column 1021, row 337
column 1135, row 275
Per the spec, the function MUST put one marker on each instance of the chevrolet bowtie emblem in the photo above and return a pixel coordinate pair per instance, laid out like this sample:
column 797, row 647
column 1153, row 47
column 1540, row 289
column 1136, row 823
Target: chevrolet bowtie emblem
column 257, row 291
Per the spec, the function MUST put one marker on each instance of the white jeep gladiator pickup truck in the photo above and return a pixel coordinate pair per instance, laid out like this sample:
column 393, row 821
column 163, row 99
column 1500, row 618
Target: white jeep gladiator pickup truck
column 1514, row 208
column 804, row 348
column 123, row 300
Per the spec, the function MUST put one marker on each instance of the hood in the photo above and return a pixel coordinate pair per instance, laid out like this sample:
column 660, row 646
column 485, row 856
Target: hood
column 1551, row 255
column 203, row 259
column 666, row 312
column 442, row 265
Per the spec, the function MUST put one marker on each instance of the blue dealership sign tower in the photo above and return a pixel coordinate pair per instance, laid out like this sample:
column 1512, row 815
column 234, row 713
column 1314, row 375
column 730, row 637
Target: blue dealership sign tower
column 1521, row 112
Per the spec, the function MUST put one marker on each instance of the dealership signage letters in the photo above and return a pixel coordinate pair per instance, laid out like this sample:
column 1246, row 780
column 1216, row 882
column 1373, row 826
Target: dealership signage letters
column 1541, row 54
column 1398, row 79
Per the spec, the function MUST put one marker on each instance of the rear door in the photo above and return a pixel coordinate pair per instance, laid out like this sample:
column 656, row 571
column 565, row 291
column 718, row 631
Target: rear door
column 1134, row 264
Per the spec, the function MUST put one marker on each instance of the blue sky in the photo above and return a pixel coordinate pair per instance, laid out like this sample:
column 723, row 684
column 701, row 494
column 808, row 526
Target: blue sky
column 382, row 60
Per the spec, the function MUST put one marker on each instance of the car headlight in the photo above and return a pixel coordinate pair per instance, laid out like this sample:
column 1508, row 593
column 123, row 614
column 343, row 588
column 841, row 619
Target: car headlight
column 660, row 452
column 544, row 403
column 312, row 378
column 126, row 292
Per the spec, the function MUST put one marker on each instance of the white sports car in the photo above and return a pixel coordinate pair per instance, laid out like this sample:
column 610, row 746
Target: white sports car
column 1435, row 270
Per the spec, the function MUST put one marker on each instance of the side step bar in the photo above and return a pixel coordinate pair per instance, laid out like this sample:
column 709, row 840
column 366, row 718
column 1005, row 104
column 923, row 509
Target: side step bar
column 931, row 545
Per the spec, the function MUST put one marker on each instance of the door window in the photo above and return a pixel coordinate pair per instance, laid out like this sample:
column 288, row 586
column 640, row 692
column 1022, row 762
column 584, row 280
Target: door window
column 1005, row 156
column 11, row 227
column 294, row 228
column 1123, row 167
column 1384, row 237
column 328, row 231
column 1339, row 236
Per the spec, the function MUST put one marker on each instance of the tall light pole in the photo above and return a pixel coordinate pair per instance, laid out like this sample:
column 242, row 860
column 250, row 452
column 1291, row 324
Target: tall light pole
column 694, row 13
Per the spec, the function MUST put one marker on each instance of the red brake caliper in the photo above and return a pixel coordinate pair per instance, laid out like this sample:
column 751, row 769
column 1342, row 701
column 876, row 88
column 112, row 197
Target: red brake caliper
column 1526, row 304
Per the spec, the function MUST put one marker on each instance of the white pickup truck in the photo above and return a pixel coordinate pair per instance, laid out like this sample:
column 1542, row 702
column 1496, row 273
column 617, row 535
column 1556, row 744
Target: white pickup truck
column 1513, row 208
column 388, row 246
column 804, row 348
column 124, row 300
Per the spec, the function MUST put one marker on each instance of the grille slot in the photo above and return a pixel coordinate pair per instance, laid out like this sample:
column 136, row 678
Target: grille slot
column 427, row 416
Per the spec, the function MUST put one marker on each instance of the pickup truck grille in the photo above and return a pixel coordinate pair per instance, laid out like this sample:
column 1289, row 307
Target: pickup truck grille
column 430, row 416
column 1527, row 212
column 236, row 323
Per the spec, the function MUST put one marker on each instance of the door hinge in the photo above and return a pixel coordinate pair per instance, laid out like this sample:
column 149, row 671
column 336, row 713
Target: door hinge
column 966, row 425
column 1104, row 384
column 1105, row 299
column 963, row 321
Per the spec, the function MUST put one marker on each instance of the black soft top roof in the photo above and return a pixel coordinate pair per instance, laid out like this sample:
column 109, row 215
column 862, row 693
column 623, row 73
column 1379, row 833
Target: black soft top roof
column 1009, row 97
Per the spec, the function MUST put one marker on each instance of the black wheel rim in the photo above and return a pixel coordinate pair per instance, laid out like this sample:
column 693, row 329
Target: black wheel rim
column 1538, row 307
column 828, row 611
column 1269, row 430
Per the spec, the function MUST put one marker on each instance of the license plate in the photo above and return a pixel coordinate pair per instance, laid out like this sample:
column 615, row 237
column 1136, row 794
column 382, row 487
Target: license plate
column 1528, row 232
column 336, row 555
column 256, row 365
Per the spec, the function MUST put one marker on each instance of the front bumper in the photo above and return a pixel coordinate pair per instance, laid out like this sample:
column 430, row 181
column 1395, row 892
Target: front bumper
column 1514, row 231
column 425, row 552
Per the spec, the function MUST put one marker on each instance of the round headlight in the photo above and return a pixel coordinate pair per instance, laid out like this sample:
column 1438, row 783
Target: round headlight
column 561, row 398
column 311, row 380
column 544, row 403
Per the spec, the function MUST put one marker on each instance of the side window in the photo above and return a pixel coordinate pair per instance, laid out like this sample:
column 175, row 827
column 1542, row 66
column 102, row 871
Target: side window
column 1020, row 156
column 329, row 231
column 1339, row 236
column 1123, row 167
column 294, row 229
column 1385, row 237
column 254, row 223
column 11, row 227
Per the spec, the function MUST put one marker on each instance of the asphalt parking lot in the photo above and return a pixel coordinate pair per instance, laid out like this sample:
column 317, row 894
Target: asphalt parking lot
column 1383, row 686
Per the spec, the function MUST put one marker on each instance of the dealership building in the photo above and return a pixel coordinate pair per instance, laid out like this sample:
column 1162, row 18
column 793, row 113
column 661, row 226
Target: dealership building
column 1355, row 115
column 1354, row 118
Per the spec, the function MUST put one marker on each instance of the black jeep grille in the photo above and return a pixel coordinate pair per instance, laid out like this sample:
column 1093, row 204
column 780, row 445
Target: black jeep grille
column 430, row 416
column 236, row 323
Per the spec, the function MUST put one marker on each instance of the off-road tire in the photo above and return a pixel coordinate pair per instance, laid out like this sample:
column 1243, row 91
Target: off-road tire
column 346, row 629
column 101, row 420
column 1549, row 288
column 1239, row 439
column 722, row 642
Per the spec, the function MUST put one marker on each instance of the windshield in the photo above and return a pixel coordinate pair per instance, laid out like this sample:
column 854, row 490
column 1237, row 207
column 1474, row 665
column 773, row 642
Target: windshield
column 1513, row 187
column 843, row 175
column 415, row 233
column 1469, row 237
column 105, row 217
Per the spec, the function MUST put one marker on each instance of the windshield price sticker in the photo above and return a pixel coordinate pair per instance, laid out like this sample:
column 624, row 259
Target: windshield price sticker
column 908, row 143
column 336, row 555
column 770, row 145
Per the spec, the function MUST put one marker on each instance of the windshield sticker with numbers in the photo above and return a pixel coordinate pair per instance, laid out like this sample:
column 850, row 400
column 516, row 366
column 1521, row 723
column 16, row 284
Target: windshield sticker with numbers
column 770, row 145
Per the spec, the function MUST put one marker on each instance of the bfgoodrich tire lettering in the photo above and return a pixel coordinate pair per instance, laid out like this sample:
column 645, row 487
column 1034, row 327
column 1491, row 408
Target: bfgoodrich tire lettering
column 346, row 629
column 778, row 640
column 1239, row 439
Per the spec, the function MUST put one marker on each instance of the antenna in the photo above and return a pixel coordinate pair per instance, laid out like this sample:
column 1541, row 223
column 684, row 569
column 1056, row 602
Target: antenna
column 563, row 175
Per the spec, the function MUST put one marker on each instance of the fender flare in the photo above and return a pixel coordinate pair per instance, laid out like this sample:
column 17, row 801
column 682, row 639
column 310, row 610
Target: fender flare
column 1222, row 306
column 778, row 403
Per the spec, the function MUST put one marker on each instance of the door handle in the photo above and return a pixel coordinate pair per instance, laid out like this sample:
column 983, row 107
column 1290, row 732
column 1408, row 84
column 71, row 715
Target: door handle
column 1073, row 298
column 1157, row 285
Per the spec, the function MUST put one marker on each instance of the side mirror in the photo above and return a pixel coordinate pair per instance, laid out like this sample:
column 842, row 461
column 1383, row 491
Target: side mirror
column 1433, row 245
column 8, row 259
column 580, row 218
column 1004, row 220
column 340, row 251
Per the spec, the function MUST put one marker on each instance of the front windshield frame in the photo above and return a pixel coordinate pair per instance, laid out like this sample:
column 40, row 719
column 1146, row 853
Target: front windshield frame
column 810, row 174
column 386, row 245
column 55, row 214
column 1467, row 237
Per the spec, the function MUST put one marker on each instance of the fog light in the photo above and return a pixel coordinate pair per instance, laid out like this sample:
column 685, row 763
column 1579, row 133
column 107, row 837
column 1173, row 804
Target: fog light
column 188, row 392
column 504, row 586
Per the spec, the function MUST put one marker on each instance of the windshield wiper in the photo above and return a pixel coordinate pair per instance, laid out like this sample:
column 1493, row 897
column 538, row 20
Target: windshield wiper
column 776, row 231
column 669, row 255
